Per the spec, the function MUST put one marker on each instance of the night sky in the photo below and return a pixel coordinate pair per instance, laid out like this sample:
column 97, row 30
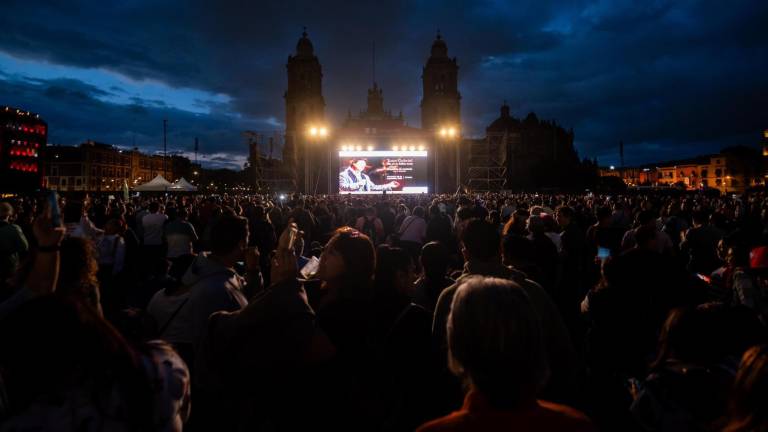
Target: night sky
column 669, row 78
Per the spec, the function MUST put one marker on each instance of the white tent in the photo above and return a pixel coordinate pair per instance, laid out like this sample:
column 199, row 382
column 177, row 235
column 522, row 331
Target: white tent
column 157, row 184
column 182, row 185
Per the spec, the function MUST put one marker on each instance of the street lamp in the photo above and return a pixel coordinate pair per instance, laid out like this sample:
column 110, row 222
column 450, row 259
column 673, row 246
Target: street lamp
column 315, row 133
column 448, row 132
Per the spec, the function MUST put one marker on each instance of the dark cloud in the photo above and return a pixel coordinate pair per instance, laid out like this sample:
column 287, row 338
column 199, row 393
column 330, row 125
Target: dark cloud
column 669, row 78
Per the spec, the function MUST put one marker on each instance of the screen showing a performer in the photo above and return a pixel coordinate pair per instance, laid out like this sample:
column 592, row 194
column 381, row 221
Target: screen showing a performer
column 367, row 172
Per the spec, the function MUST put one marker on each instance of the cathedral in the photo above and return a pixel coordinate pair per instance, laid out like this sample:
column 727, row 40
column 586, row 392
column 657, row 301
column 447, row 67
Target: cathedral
column 515, row 154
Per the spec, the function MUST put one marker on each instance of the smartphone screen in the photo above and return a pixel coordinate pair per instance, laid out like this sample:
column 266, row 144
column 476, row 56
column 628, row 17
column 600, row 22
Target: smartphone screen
column 603, row 253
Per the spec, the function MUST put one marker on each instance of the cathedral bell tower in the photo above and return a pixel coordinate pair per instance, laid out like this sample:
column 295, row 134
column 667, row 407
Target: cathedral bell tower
column 440, row 104
column 440, row 111
column 304, row 105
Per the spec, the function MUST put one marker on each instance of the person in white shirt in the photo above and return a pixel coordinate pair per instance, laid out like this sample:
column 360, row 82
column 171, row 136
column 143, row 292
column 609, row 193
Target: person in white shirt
column 111, row 248
column 152, row 225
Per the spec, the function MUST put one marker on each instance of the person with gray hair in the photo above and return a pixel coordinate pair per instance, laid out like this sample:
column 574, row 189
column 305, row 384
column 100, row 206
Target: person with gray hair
column 496, row 345
column 480, row 243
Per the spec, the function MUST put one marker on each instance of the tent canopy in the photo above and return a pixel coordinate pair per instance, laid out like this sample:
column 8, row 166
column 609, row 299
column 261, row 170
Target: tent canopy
column 182, row 185
column 157, row 184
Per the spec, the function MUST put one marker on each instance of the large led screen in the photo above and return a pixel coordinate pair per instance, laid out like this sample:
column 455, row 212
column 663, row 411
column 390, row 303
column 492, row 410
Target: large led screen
column 373, row 172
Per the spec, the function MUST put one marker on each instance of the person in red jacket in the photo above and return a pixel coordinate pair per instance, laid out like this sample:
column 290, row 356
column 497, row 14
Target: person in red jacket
column 496, row 346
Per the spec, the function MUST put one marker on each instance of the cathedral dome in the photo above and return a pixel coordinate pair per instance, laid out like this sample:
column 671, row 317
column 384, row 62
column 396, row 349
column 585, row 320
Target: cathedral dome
column 304, row 47
column 505, row 122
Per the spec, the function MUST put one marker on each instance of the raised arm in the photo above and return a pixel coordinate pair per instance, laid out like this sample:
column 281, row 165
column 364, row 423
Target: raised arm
column 45, row 267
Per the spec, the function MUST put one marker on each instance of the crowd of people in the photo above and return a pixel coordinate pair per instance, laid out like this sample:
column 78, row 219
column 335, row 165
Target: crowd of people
column 481, row 312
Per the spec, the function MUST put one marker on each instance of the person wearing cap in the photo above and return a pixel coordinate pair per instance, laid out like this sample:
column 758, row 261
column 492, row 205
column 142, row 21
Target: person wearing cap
column 353, row 179
column 13, row 244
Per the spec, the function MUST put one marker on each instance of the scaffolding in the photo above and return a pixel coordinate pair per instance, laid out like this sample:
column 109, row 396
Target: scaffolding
column 267, row 172
column 486, row 170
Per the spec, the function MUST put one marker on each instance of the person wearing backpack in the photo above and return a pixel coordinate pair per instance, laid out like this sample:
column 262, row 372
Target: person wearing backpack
column 413, row 232
column 370, row 225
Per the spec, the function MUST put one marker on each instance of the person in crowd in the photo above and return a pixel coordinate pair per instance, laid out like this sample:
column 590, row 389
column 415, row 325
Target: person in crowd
column 110, row 250
column 464, row 212
column 64, row 367
column 401, row 212
column 603, row 234
column 676, row 223
column 402, row 331
column 516, row 225
column 370, row 225
column 439, row 227
column 699, row 245
column 386, row 214
column 622, row 335
column 574, row 274
column 746, row 406
column 691, row 357
column 304, row 219
column 518, row 253
column 77, row 222
column 507, row 209
column 749, row 283
column 551, row 230
column 169, row 310
column 352, row 336
column 213, row 283
column 497, row 346
column 152, row 229
column 262, row 236
column 412, row 233
column 646, row 219
column 545, row 254
column 13, row 245
column 180, row 237
column 480, row 243
column 325, row 221
column 734, row 258
column 434, row 279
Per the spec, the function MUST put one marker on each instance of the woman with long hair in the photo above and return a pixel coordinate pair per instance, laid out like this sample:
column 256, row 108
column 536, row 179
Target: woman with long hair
column 750, row 391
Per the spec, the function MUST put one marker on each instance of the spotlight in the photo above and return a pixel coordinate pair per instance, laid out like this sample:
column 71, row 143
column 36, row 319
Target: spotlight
column 395, row 148
column 370, row 148
column 359, row 148
column 413, row 148
column 323, row 131
column 313, row 131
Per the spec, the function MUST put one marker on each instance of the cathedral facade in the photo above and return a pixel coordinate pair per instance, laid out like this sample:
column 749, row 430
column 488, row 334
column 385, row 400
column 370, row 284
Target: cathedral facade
column 515, row 154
